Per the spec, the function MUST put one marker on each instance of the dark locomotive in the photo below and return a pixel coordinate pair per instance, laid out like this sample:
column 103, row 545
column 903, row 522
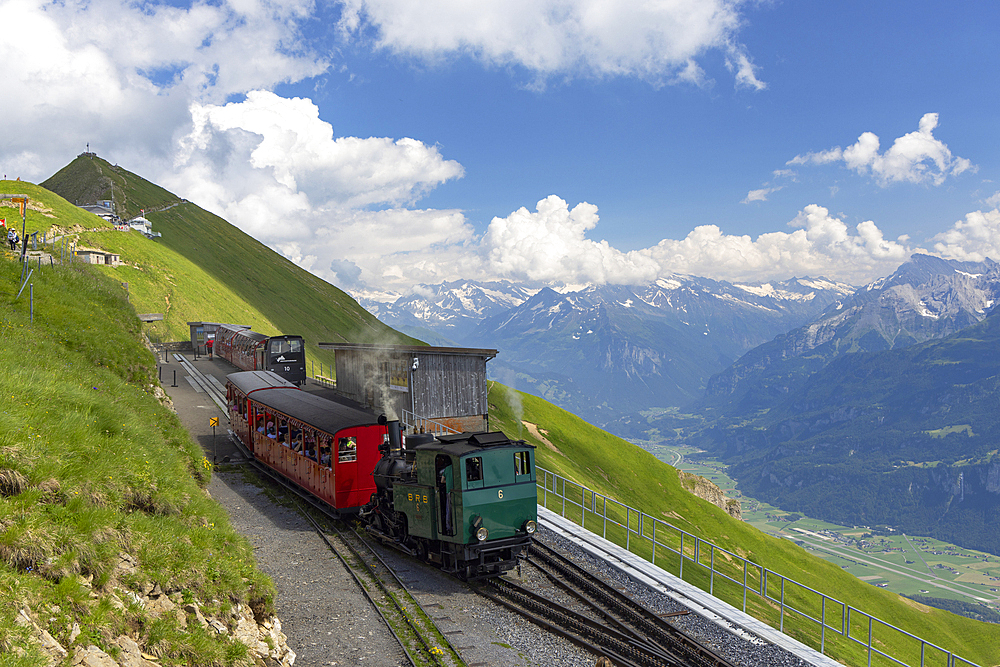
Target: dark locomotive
column 252, row 351
column 466, row 502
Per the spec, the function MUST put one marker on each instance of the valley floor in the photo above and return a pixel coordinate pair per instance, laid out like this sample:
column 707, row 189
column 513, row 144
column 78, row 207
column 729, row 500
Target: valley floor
column 903, row 564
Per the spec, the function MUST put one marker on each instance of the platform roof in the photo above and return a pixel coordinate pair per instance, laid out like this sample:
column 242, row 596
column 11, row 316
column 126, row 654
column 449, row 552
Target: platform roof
column 410, row 349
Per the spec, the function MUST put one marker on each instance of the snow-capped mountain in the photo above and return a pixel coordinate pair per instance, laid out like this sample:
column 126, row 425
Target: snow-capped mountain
column 926, row 298
column 450, row 311
column 610, row 350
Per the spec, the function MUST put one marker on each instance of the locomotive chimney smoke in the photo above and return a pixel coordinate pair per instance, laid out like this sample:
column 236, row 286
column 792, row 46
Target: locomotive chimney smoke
column 377, row 369
column 385, row 396
column 395, row 441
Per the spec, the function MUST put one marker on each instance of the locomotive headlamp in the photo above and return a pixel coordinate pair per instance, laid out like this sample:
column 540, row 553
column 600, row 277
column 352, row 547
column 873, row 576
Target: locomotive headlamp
column 482, row 534
column 530, row 527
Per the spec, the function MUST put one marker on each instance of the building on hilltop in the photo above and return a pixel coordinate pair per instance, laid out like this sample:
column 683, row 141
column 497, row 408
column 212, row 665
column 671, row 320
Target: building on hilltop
column 102, row 209
column 144, row 226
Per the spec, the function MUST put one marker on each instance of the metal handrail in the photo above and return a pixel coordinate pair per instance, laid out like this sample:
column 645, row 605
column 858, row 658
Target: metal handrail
column 643, row 527
column 417, row 424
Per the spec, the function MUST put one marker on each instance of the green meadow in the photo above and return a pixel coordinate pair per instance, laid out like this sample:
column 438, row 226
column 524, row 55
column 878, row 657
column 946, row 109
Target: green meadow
column 94, row 466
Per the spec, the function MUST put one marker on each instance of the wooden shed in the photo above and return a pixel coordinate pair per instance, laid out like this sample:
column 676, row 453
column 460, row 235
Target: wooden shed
column 426, row 388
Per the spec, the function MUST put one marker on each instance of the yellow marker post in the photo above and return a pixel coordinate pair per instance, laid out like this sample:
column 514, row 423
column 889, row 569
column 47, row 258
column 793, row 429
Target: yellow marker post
column 213, row 422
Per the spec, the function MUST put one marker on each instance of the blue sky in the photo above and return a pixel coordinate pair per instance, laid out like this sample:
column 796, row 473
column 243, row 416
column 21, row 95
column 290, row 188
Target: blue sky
column 381, row 143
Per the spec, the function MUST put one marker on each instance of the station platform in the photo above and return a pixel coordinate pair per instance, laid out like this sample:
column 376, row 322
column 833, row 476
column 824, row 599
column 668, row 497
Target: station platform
column 712, row 608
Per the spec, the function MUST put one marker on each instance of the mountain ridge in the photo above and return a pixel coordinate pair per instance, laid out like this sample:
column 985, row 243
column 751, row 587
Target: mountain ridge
column 659, row 340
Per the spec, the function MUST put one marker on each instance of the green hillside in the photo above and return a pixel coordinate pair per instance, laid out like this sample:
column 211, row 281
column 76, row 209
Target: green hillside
column 608, row 465
column 204, row 269
column 102, row 490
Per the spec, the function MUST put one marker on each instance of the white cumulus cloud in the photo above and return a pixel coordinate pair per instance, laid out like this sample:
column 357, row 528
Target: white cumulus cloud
column 973, row 239
column 271, row 166
column 550, row 245
column 916, row 157
column 121, row 75
column 659, row 41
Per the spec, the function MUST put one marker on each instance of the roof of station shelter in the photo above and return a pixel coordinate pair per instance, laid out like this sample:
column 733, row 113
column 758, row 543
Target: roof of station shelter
column 409, row 349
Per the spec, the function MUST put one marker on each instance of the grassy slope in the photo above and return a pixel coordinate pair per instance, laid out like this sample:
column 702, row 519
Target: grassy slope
column 92, row 465
column 205, row 269
column 45, row 211
column 620, row 470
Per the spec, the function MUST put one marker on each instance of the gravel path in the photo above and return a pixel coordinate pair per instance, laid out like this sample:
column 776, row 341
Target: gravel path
column 328, row 621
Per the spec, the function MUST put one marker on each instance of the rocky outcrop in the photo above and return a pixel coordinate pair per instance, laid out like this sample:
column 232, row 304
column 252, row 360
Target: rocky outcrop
column 705, row 490
column 267, row 643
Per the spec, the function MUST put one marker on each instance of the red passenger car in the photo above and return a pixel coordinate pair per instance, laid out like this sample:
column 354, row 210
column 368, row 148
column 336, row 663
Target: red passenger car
column 327, row 448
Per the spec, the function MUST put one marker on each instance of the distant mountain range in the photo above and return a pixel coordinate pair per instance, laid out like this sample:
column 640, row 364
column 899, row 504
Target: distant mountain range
column 608, row 353
column 925, row 299
column 446, row 313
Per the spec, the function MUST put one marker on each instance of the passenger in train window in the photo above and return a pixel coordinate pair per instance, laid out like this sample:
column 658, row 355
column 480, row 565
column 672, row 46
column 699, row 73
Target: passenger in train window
column 260, row 423
column 324, row 452
column 348, row 449
column 270, row 431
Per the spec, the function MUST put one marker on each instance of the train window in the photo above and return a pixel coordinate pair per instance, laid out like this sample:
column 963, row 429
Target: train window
column 294, row 345
column 522, row 463
column 347, row 449
column 309, row 443
column 474, row 469
column 324, row 451
column 294, row 439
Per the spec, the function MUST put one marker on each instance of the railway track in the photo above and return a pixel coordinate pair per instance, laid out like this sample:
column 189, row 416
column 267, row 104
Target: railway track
column 598, row 617
column 412, row 628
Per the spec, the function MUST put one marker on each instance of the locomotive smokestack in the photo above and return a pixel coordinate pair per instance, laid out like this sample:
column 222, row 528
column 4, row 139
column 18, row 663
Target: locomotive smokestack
column 395, row 441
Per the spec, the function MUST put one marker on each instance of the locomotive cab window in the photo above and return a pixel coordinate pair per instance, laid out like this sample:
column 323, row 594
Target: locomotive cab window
column 347, row 449
column 522, row 463
column 474, row 472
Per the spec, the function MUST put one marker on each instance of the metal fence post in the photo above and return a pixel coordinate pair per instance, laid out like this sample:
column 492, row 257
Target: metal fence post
column 870, row 644
column 628, row 528
column 781, row 620
column 822, row 630
column 605, row 512
column 681, row 575
column 711, row 573
column 745, row 568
